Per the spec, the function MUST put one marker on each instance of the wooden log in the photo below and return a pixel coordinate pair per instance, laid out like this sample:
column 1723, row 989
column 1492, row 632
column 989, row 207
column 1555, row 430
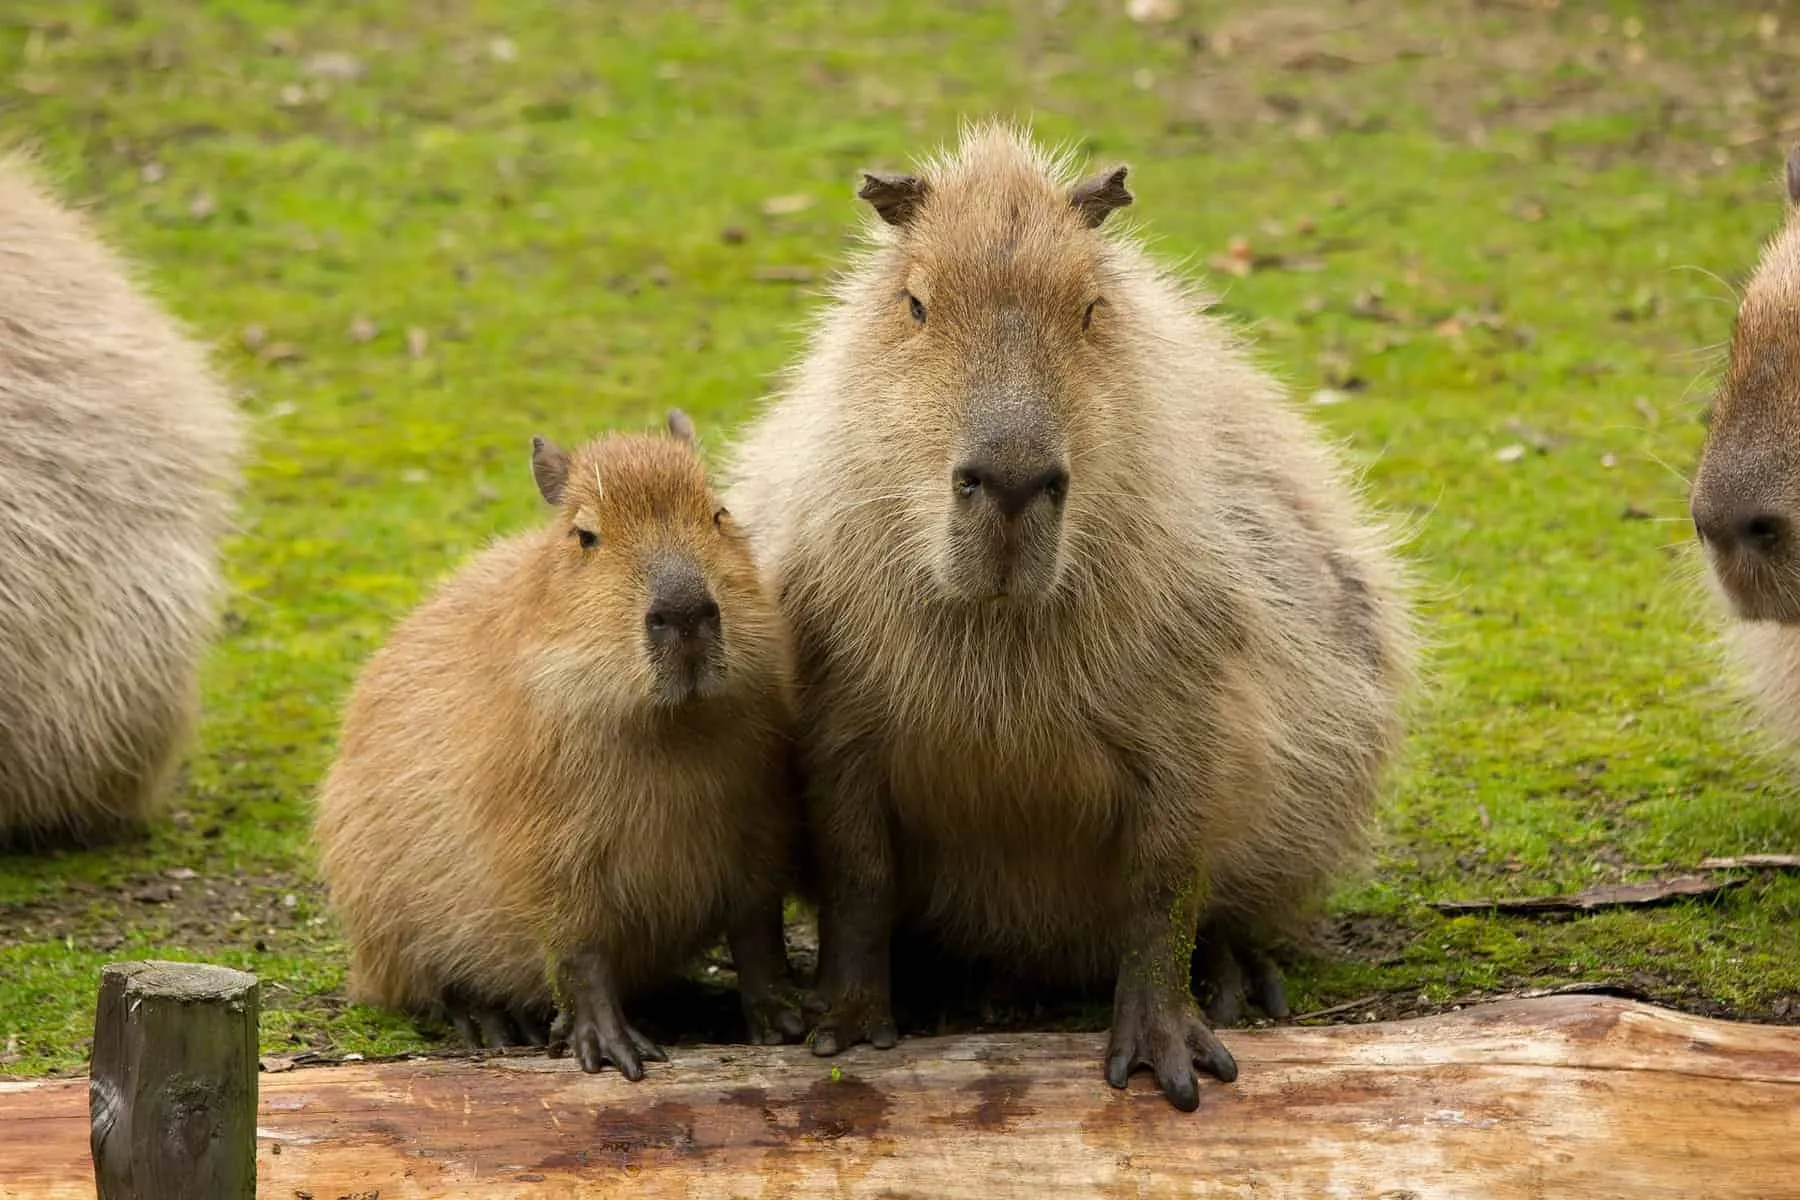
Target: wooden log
column 1584, row 1096
column 172, row 1087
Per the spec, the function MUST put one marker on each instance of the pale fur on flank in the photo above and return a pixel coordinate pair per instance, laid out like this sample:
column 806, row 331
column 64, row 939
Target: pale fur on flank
column 119, row 455
column 1213, row 678
column 508, row 787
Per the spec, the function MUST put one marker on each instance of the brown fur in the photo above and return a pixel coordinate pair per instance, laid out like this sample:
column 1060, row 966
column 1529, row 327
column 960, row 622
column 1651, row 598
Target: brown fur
column 1750, row 469
column 1200, row 674
column 510, row 783
column 118, row 458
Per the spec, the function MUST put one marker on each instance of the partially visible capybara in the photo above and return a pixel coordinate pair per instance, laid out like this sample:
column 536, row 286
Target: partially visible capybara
column 570, row 767
column 1746, row 494
column 1095, row 646
column 118, row 459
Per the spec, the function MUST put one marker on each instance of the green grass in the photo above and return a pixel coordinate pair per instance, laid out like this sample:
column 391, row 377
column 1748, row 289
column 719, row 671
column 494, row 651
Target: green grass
column 1483, row 214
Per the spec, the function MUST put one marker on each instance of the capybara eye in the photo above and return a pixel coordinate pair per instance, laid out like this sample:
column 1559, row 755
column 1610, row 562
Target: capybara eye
column 1087, row 316
column 917, row 306
column 719, row 517
column 588, row 538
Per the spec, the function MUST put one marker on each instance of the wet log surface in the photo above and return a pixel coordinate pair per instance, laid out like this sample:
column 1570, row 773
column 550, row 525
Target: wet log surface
column 1561, row 1096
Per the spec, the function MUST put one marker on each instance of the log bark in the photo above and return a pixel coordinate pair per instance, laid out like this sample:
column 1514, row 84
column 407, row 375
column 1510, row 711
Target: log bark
column 172, row 1089
column 1575, row 1095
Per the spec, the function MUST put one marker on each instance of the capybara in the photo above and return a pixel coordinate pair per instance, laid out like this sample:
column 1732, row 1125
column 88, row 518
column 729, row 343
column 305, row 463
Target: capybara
column 119, row 460
column 1746, row 493
column 570, row 767
column 1095, row 649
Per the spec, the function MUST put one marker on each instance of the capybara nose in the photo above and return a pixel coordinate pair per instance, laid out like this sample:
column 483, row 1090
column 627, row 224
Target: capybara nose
column 1748, row 528
column 1009, row 486
column 677, row 619
column 681, row 608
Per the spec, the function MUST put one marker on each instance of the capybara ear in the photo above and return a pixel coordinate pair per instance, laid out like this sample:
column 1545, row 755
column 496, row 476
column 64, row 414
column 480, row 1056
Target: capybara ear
column 1793, row 175
column 681, row 426
column 1096, row 198
column 897, row 198
column 550, row 468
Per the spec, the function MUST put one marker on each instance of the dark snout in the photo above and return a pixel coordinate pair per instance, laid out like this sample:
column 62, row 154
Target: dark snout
column 683, row 629
column 1745, row 514
column 1738, row 526
column 1012, row 478
column 1008, row 490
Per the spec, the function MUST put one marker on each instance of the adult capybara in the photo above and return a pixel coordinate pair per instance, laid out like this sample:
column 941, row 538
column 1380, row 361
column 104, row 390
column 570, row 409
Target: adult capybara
column 1095, row 648
column 570, row 767
column 118, row 459
column 1746, row 494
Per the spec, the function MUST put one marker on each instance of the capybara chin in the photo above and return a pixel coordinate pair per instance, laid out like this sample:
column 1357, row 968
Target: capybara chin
column 1095, row 647
column 118, row 459
column 570, row 767
column 1746, row 493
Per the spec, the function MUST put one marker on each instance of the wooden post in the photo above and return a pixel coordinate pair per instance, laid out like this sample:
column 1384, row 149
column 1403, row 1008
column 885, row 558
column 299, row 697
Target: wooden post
column 172, row 1086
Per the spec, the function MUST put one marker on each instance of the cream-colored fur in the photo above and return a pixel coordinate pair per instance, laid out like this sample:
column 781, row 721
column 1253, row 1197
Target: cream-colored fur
column 118, row 458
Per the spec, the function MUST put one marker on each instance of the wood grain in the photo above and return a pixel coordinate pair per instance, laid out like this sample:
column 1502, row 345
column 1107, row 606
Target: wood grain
column 1578, row 1096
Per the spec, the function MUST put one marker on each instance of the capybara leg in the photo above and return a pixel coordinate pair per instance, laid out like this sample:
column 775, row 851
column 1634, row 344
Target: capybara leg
column 771, row 1004
column 856, row 915
column 1232, row 970
column 597, row 1029
column 493, row 1026
column 1156, row 1023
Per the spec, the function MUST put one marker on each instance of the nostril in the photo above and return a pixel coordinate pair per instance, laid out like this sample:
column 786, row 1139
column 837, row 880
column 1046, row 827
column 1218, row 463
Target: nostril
column 967, row 483
column 1056, row 486
column 656, row 621
column 1765, row 531
column 708, row 614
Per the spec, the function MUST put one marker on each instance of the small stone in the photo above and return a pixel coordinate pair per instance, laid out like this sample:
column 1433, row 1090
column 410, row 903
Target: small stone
column 1510, row 454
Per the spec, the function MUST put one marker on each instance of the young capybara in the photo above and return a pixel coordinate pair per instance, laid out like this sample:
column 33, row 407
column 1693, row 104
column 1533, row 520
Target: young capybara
column 119, row 457
column 1746, row 493
column 571, row 766
column 1095, row 649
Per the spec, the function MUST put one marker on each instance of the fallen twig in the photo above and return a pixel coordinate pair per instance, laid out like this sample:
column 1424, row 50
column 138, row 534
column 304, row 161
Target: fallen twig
column 1618, row 895
column 1776, row 862
column 1335, row 1009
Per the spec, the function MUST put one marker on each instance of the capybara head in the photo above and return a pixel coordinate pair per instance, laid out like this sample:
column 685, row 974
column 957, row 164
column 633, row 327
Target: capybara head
column 1746, row 501
column 650, row 581
column 988, row 346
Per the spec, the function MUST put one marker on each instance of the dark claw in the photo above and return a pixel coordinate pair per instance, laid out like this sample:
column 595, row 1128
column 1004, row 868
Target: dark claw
column 849, row 1022
column 465, row 1028
column 491, row 1027
column 1165, row 1032
column 1267, row 986
column 774, row 1017
column 531, row 1026
column 1234, row 973
column 496, row 1028
column 1224, row 981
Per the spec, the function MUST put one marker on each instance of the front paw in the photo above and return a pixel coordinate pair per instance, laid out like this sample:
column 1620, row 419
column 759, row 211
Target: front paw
column 773, row 1016
column 848, row 1020
column 1163, row 1030
column 599, row 1034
